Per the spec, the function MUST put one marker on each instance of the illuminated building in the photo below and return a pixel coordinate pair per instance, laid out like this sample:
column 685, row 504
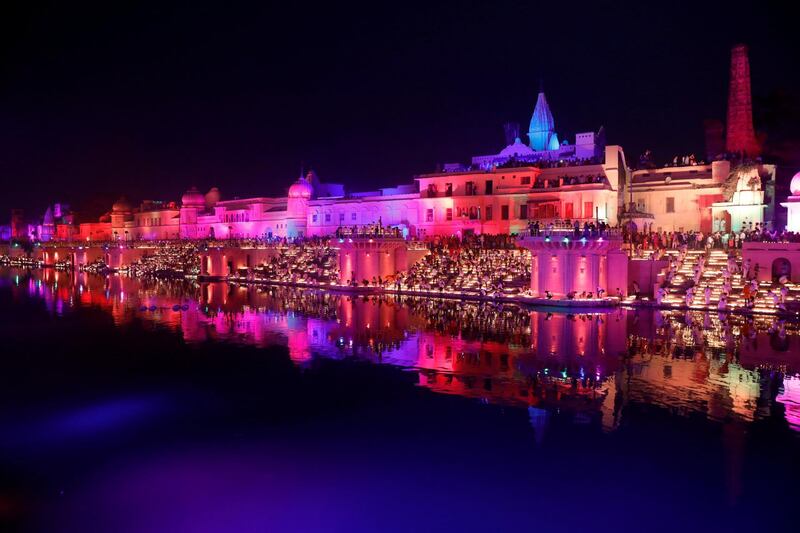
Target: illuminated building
column 792, row 205
column 543, row 180
column 707, row 197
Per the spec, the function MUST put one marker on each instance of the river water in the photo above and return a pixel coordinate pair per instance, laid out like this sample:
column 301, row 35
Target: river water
column 132, row 405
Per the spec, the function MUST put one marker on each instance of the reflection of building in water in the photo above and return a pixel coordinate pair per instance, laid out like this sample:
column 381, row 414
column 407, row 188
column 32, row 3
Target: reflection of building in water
column 561, row 359
column 712, row 386
column 790, row 398
column 698, row 362
column 586, row 368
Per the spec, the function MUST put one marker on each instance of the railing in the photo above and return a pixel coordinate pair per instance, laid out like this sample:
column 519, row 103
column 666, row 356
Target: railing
column 572, row 233
column 372, row 232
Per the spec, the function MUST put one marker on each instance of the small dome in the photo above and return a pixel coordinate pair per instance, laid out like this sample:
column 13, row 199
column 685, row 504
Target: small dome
column 516, row 149
column 301, row 189
column 193, row 198
column 794, row 186
column 212, row 197
column 553, row 144
column 121, row 206
column 105, row 217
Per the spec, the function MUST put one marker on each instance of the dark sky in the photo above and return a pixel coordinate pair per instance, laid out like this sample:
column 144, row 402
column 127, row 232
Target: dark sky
column 147, row 100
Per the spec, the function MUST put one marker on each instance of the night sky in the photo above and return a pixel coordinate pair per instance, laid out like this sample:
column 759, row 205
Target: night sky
column 147, row 100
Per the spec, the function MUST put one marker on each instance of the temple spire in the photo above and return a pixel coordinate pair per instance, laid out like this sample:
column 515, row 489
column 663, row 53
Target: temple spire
column 740, row 135
column 542, row 128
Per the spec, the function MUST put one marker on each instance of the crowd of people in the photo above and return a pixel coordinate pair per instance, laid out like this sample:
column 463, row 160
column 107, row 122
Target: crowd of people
column 369, row 230
column 516, row 162
column 648, row 240
column 719, row 279
column 560, row 181
column 569, row 228
column 441, row 243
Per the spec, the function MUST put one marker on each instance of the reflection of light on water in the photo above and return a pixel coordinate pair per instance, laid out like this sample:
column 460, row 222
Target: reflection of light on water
column 790, row 398
column 538, row 419
column 687, row 362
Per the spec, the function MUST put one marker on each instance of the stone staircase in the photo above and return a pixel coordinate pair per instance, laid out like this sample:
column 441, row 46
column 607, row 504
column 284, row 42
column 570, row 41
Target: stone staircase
column 712, row 277
column 473, row 272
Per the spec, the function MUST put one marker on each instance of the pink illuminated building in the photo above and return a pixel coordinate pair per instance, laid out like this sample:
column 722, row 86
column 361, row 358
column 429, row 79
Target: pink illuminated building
column 544, row 179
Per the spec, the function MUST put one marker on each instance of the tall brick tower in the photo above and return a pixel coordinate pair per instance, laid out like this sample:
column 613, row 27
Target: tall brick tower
column 740, row 136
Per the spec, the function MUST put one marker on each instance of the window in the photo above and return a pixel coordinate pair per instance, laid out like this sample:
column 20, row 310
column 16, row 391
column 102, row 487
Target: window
column 448, row 189
column 471, row 190
column 569, row 210
column 547, row 211
column 504, row 212
column 523, row 212
column 314, row 218
column 327, row 217
column 353, row 217
column 489, row 186
column 588, row 209
column 449, row 214
column 488, row 212
column 429, row 215
column 670, row 204
column 525, row 180
column 341, row 218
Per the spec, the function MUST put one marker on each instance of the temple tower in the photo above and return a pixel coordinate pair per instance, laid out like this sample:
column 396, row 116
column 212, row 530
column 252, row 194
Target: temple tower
column 542, row 132
column 740, row 135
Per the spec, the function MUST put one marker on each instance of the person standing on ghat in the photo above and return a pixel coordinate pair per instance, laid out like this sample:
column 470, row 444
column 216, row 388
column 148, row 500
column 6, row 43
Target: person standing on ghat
column 660, row 293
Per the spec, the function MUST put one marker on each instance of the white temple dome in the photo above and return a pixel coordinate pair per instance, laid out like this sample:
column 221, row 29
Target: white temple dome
column 794, row 186
column 301, row 189
column 121, row 206
column 193, row 198
column 212, row 197
column 516, row 149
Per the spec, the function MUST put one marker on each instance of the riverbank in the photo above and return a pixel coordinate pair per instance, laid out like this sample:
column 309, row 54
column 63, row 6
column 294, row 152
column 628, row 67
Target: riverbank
column 595, row 304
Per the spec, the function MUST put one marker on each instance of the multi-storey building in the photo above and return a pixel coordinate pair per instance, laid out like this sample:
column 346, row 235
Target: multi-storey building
column 543, row 180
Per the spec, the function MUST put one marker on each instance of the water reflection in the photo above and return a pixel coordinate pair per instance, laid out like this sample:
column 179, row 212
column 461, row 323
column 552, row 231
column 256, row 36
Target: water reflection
column 584, row 367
